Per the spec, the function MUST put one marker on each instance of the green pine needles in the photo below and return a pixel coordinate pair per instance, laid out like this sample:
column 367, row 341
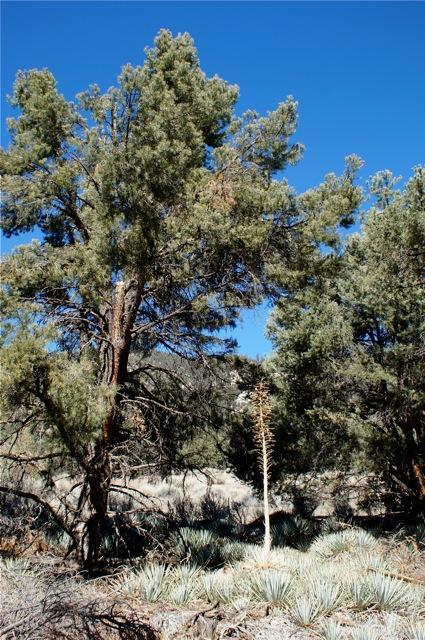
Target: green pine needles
column 158, row 207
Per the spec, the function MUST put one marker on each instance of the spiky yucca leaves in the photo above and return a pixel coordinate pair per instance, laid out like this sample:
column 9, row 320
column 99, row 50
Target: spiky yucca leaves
column 414, row 631
column 385, row 594
column 295, row 531
column 331, row 630
column 150, row 584
column 18, row 566
column 305, row 611
column 366, row 632
column 196, row 546
column 233, row 552
column 218, row 587
column 256, row 558
column 184, row 584
column 328, row 594
column 360, row 596
column 271, row 586
column 389, row 594
column 263, row 437
column 352, row 540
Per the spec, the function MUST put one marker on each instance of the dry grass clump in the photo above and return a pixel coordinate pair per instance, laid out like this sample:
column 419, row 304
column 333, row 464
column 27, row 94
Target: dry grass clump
column 38, row 604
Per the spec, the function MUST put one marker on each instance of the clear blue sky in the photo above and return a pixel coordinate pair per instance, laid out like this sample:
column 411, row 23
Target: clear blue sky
column 356, row 68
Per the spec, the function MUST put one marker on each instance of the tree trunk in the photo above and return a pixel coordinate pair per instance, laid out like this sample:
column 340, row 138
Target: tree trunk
column 414, row 442
column 99, row 480
column 420, row 479
column 114, row 360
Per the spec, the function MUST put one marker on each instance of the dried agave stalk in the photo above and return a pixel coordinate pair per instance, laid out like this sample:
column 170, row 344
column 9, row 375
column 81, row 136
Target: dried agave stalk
column 263, row 438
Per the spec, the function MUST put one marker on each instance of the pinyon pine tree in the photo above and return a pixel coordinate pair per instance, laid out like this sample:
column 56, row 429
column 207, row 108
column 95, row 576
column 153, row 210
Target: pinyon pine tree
column 157, row 210
column 349, row 349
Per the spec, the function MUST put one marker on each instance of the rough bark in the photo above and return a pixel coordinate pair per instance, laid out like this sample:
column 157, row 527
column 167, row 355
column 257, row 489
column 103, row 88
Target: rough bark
column 420, row 478
column 113, row 374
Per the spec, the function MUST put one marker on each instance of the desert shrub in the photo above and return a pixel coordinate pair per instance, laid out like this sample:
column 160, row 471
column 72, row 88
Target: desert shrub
column 132, row 535
column 414, row 533
column 183, row 511
column 25, row 524
column 213, row 507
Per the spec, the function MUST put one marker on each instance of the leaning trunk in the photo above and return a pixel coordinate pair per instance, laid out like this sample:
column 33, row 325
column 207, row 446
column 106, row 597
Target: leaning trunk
column 114, row 358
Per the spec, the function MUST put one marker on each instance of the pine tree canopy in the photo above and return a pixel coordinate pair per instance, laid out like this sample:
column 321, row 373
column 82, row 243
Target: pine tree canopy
column 155, row 184
column 349, row 347
column 162, row 214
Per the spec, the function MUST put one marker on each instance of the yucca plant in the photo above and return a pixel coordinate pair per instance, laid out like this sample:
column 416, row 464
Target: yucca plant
column 331, row 630
column 149, row 584
column 218, row 587
column 192, row 538
column 184, row 583
column 256, row 558
column 184, row 592
column 328, row 595
column 333, row 544
column 414, row 631
column 361, row 595
column 388, row 594
column 366, row 632
column 370, row 560
column 233, row 552
column 305, row 611
column 295, row 531
column 17, row 566
column 392, row 624
column 197, row 546
column 240, row 603
column 184, row 572
column 263, row 438
column 270, row 586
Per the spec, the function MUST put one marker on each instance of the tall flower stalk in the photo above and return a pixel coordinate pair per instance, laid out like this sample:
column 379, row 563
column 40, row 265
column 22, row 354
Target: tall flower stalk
column 263, row 438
